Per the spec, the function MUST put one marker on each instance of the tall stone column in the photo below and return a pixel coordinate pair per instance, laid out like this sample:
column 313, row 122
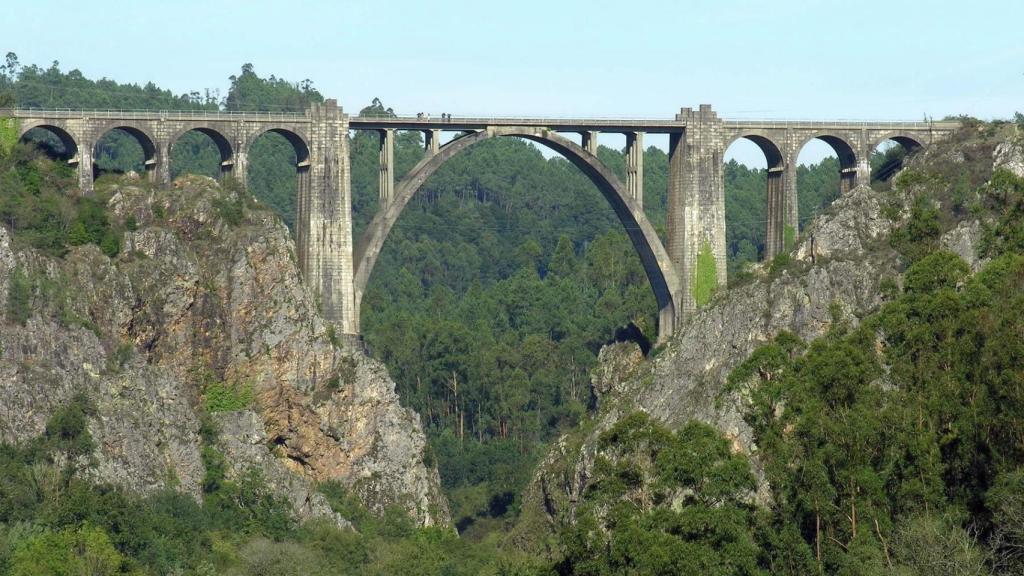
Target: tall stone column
column 162, row 162
column 775, row 213
column 791, row 222
column 86, row 146
column 696, row 200
column 239, row 167
column 324, row 218
column 863, row 151
column 635, row 166
column 387, row 167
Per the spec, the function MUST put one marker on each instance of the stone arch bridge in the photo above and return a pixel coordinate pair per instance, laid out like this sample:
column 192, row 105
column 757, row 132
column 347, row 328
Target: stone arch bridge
column 338, row 267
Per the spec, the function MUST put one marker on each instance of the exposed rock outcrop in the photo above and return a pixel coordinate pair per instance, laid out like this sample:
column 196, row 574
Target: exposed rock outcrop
column 837, row 268
column 836, row 273
column 841, row 269
column 200, row 294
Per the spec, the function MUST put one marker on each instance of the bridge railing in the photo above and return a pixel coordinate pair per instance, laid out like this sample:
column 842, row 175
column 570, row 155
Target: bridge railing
column 128, row 114
column 639, row 123
column 842, row 124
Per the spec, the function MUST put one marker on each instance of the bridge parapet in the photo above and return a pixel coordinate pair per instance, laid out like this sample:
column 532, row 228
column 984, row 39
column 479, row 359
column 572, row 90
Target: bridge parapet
column 152, row 115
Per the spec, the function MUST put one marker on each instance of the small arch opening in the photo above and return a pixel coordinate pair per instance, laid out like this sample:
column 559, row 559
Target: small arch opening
column 888, row 157
column 201, row 151
column 826, row 167
column 754, row 201
column 124, row 149
column 54, row 142
column 278, row 159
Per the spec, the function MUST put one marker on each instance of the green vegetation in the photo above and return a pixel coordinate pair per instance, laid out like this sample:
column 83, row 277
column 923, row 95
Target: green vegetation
column 19, row 297
column 8, row 134
column 73, row 550
column 664, row 503
column 877, row 452
column 51, row 522
column 705, row 275
column 1004, row 195
column 490, row 301
column 40, row 209
column 227, row 397
column 788, row 238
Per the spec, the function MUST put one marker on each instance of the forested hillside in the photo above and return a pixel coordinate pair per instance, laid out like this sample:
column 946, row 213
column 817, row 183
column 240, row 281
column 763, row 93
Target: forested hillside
column 496, row 288
column 890, row 446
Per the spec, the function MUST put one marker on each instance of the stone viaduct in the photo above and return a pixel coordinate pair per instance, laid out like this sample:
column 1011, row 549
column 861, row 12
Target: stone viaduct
column 338, row 267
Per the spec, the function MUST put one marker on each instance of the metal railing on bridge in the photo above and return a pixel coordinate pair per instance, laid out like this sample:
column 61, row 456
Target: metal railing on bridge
column 482, row 120
column 136, row 114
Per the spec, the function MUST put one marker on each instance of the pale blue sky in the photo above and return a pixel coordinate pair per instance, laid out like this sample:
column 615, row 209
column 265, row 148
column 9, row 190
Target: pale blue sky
column 851, row 59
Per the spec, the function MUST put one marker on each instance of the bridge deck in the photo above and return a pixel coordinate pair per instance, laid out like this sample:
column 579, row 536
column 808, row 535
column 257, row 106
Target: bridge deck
column 459, row 123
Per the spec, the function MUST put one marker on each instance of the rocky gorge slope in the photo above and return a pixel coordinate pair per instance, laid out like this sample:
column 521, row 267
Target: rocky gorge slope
column 204, row 302
column 844, row 267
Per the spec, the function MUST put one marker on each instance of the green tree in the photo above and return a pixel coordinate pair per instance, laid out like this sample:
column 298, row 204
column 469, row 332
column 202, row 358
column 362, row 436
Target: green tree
column 70, row 552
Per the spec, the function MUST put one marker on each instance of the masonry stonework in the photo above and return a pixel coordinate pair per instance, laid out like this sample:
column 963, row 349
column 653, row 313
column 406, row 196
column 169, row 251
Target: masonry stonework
column 337, row 269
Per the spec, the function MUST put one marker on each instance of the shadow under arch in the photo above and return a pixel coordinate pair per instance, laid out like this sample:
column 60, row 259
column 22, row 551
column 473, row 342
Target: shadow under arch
column 66, row 139
column 772, row 151
column 908, row 144
column 145, row 140
column 298, row 141
column 775, row 192
column 293, row 208
column 661, row 274
column 844, row 152
column 224, row 147
column 907, row 141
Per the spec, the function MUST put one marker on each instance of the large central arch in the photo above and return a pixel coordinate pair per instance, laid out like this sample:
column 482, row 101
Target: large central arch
column 656, row 262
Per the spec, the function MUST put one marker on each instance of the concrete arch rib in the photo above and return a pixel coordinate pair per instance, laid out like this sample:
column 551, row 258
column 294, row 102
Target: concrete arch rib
column 656, row 262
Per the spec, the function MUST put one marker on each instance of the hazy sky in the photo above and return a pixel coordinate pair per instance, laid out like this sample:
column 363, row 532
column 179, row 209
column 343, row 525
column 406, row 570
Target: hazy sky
column 851, row 59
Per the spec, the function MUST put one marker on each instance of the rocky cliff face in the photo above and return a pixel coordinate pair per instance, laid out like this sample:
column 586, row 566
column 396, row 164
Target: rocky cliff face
column 201, row 294
column 836, row 273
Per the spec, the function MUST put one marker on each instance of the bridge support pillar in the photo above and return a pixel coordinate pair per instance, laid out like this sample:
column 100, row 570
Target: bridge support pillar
column 863, row 162
column 635, row 166
column 791, row 210
column 239, row 169
column 162, row 164
column 387, row 166
column 776, row 213
column 696, row 205
column 324, row 217
column 848, row 180
column 86, row 170
column 432, row 141
column 589, row 142
column 226, row 169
